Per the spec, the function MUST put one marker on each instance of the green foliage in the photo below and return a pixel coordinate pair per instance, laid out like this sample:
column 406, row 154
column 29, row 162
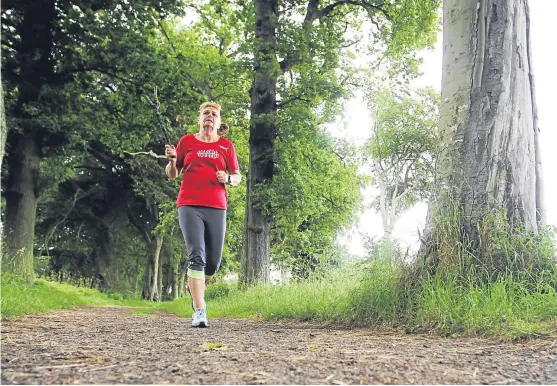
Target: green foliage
column 401, row 150
column 315, row 193
column 405, row 126
column 414, row 26
column 75, row 75
column 101, row 206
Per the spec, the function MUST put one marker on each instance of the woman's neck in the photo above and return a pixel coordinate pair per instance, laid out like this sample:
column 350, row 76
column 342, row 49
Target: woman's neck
column 205, row 136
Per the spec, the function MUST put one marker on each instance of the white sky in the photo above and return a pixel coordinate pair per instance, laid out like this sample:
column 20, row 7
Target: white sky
column 542, row 18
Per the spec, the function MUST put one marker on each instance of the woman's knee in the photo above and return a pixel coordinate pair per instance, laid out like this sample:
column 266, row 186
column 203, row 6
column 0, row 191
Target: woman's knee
column 196, row 260
column 211, row 269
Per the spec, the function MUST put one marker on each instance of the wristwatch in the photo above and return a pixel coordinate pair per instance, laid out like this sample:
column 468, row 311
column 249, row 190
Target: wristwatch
column 229, row 180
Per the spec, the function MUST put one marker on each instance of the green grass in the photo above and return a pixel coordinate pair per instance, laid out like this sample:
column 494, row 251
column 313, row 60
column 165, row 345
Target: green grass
column 373, row 296
column 19, row 298
column 505, row 308
column 367, row 294
column 378, row 300
column 144, row 311
column 325, row 299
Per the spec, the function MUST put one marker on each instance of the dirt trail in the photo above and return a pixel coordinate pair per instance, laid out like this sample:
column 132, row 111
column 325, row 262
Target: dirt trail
column 111, row 345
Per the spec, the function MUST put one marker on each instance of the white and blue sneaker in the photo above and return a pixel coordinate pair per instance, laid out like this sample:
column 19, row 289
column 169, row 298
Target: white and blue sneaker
column 199, row 318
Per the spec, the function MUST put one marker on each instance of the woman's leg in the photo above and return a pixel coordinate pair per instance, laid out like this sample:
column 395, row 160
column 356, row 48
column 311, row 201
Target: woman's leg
column 193, row 230
column 215, row 228
column 197, row 290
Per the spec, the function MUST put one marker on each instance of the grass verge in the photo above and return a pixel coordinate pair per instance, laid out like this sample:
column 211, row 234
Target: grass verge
column 372, row 295
column 323, row 299
column 368, row 294
column 19, row 298
column 507, row 308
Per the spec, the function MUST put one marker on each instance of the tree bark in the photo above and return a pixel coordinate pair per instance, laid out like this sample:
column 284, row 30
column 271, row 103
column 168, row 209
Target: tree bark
column 489, row 157
column 21, row 205
column 3, row 127
column 151, row 282
column 255, row 264
column 35, row 65
column 160, row 274
column 182, row 282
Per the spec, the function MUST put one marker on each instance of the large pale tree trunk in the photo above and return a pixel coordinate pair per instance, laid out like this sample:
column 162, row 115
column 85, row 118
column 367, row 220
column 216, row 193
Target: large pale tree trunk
column 255, row 264
column 489, row 156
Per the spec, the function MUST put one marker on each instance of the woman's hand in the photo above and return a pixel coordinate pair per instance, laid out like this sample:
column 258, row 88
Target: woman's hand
column 222, row 177
column 170, row 152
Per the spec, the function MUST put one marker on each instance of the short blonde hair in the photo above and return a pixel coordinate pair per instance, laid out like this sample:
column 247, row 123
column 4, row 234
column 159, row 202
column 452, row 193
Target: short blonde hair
column 224, row 128
column 214, row 105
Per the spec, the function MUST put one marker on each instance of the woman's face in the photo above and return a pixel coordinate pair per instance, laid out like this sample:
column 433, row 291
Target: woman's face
column 209, row 117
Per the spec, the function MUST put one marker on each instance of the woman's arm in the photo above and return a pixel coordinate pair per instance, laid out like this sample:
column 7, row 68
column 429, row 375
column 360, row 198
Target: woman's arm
column 171, row 169
column 229, row 179
column 235, row 178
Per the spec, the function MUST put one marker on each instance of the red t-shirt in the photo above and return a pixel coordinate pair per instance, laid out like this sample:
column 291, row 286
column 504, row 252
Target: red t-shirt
column 200, row 162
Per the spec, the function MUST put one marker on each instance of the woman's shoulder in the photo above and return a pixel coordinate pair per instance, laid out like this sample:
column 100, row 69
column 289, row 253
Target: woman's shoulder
column 225, row 141
column 186, row 138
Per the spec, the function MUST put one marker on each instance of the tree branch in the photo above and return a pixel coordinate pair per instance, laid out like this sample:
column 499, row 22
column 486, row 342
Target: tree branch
column 76, row 197
column 364, row 4
column 339, row 156
column 313, row 13
column 166, row 35
column 330, row 201
column 290, row 100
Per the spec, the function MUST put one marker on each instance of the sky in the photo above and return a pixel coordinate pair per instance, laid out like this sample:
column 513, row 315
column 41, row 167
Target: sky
column 542, row 19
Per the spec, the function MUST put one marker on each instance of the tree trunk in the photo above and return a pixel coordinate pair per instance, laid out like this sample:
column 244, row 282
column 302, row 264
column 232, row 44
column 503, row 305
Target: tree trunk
column 488, row 125
column 175, row 282
column 383, row 207
column 160, row 274
column 388, row 207
column 3, row 127
column 182, row 283
column 34, row 57
column 150, row 282
column 21, row 205
column 255, row 264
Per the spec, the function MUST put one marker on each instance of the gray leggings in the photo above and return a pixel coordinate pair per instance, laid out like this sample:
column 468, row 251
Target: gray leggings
column 203, row 229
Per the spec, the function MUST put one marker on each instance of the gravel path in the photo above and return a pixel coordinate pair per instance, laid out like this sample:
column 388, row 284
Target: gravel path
column 111, row 345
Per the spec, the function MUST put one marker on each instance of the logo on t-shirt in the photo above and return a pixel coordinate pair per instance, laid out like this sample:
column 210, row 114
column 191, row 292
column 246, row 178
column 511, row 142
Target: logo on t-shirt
column 208, row 154
column 223, row 147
